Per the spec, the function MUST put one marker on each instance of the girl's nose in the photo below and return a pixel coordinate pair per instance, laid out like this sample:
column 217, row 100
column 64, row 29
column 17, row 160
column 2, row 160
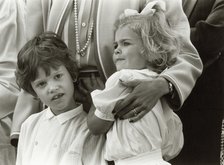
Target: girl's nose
column 117, row 51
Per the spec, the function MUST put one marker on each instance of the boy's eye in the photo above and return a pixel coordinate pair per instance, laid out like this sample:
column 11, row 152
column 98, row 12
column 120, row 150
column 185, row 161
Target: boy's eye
column 41, row 84
column 58, row 76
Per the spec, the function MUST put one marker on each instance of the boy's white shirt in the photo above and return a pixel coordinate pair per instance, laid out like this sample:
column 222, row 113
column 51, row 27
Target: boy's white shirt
column 59, row 140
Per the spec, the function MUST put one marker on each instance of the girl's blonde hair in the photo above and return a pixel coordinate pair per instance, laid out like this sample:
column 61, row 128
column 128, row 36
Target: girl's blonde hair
column 161, row 43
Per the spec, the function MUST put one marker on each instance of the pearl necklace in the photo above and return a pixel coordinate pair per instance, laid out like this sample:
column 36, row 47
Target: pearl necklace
column 80, row 51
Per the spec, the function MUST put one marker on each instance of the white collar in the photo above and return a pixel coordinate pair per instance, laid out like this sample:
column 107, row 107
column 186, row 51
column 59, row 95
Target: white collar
column 63, row 117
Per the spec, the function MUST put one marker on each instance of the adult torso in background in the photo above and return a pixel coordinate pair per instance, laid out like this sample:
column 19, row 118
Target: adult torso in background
column 209, row 92
column 11, row 40
column 202, row 112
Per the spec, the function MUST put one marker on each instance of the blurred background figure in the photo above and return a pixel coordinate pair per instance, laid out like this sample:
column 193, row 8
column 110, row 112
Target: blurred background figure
column 11, row 39
column 202, row 112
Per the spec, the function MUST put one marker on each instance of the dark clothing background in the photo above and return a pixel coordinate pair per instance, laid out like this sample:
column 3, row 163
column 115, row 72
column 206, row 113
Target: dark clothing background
column 202, row 112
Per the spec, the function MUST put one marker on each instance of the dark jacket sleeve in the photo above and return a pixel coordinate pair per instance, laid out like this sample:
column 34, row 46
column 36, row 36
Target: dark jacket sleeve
column 208, row 35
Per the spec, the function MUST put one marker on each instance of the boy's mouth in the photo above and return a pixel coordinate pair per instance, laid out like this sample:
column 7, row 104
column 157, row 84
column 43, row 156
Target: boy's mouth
column 57, row 96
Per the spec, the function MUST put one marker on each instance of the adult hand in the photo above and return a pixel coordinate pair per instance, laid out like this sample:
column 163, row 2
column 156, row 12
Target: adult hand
column 142, row 99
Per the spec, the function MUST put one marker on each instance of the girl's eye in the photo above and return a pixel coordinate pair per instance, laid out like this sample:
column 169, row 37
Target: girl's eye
column 58, row 76
column 126, row 43
column 115, row 46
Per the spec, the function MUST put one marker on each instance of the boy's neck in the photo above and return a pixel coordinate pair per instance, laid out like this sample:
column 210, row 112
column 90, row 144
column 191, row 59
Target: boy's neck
column 58, row 112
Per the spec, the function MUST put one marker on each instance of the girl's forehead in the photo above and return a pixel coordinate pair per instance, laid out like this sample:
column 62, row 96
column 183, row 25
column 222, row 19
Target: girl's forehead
column 124, row 29
column 125, row 32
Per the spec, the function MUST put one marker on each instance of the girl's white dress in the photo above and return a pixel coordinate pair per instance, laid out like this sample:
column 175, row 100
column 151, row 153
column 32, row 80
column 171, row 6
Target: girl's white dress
column 151, row 140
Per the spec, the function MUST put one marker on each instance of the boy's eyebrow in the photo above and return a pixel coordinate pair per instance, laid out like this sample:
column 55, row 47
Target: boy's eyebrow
column 37, row 81
column 55, row 71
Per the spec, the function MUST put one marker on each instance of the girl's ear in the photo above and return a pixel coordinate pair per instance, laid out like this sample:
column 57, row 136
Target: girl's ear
column 142, row 51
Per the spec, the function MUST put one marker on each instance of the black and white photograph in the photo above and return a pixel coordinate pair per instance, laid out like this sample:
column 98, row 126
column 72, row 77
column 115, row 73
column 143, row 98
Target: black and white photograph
column 111, row 82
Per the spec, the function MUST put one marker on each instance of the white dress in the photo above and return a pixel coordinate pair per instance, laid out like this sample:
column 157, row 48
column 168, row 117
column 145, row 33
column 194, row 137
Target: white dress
column 64, row 139
column 157, row 135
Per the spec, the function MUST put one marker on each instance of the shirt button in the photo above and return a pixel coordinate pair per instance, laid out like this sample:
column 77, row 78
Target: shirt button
column 55, row 145
column 83, row 24
column 36, row 143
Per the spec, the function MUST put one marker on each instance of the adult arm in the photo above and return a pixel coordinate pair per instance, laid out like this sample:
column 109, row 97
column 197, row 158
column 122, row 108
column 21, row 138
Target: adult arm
column 20, row 149
column 36, row 17
column 183, row 74
column 26, row 104
column 12, row 31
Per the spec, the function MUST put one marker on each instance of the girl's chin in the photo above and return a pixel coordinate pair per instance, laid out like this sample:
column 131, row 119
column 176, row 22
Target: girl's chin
column 120, row 68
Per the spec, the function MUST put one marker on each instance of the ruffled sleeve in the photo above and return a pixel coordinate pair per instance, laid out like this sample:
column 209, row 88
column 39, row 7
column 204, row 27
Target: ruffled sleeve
column 105, row 100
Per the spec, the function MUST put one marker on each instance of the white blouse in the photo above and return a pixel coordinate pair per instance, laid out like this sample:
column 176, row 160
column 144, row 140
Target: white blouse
column 64, row 139
column 160, row 129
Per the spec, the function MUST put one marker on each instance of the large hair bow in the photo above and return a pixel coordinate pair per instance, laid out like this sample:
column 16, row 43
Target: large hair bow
column 148, row 10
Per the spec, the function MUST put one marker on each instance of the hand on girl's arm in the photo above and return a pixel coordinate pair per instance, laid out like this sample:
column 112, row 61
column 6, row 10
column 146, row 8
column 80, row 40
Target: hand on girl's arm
column 143, row 98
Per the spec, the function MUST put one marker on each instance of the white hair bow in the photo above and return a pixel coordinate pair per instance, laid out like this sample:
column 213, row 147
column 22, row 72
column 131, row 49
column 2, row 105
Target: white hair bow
column 147, row 10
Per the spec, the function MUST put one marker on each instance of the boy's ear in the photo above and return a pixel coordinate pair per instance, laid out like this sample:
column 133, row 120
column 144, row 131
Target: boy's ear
column 75, row 81
column 36, row 98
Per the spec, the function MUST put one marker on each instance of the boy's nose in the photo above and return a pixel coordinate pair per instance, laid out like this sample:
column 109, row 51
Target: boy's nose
column 53, row 88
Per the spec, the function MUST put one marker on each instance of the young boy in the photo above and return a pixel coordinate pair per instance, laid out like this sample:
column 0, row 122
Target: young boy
column 57, row 135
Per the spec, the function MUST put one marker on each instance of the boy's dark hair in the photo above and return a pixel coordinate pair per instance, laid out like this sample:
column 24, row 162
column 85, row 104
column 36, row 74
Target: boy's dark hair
column 46, row 51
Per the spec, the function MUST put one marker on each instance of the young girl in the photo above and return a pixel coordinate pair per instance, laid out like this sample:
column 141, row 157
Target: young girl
column 144, row 46
column 57, row 135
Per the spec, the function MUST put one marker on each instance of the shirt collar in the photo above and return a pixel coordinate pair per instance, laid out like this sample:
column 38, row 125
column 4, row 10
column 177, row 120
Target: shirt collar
column 63, row 117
